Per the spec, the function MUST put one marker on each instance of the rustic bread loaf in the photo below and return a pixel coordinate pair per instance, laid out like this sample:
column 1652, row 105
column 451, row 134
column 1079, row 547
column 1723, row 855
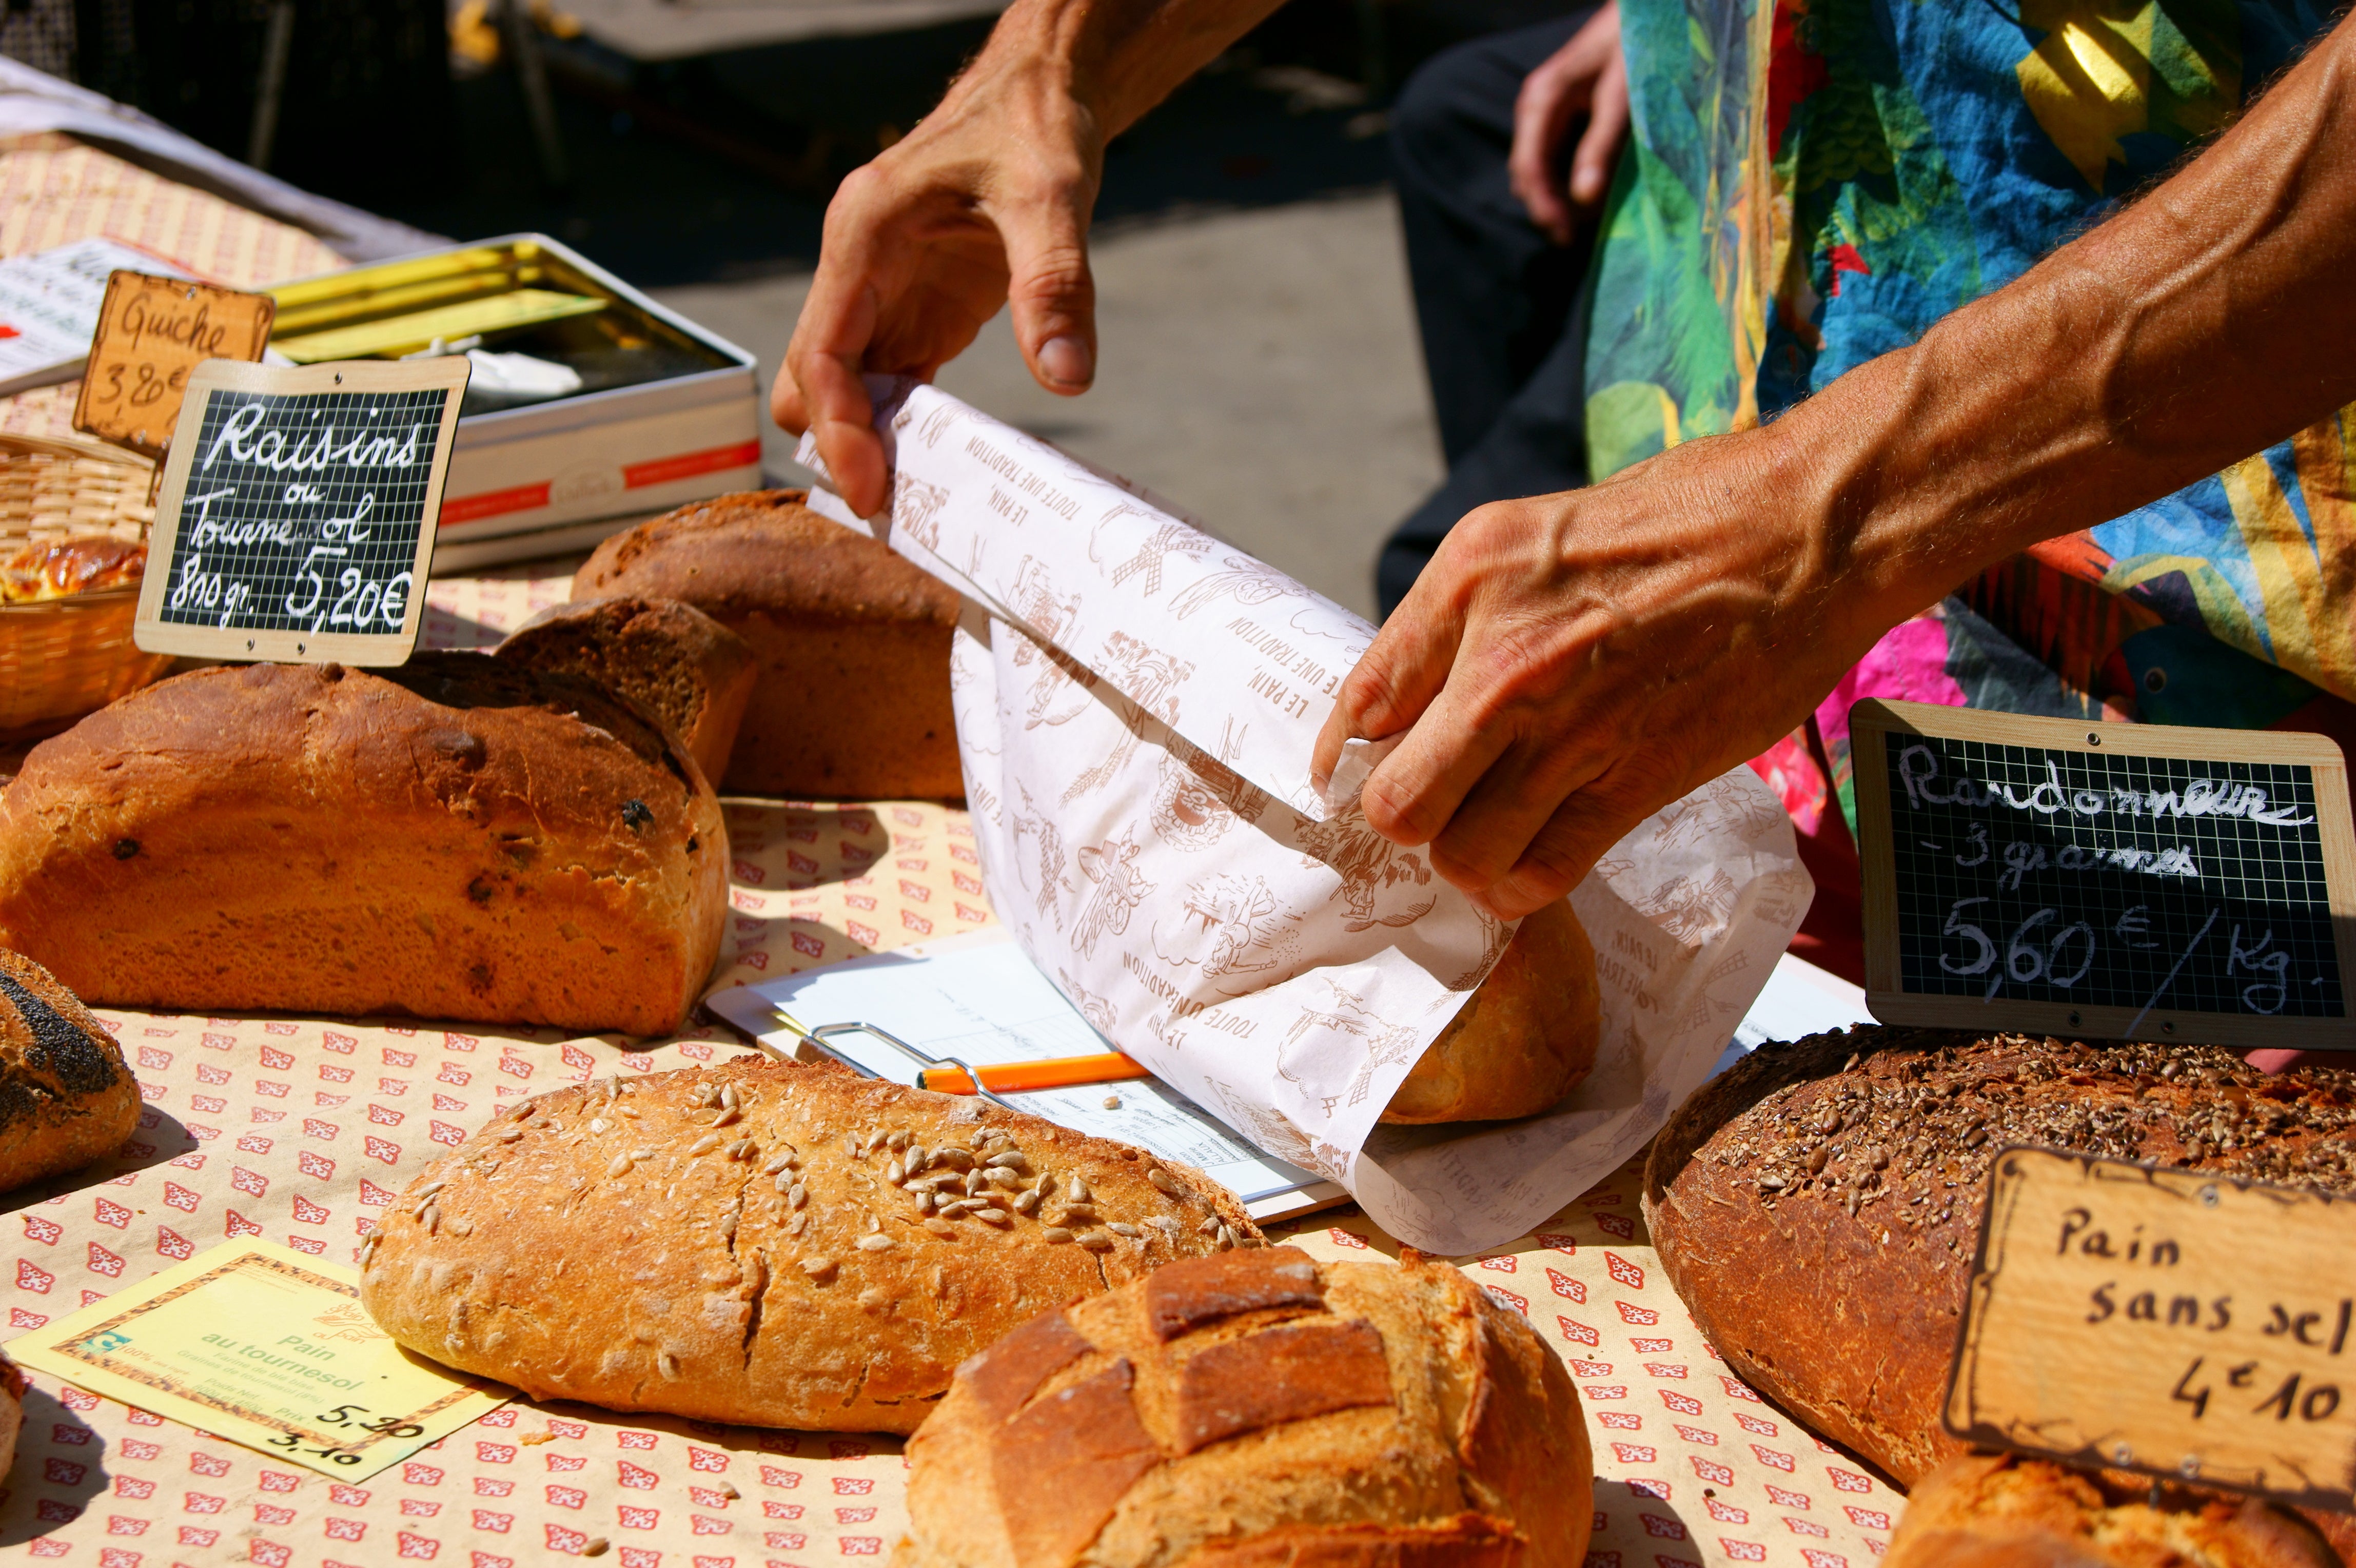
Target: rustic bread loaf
column 12, row 1412
column 1996, row 1511
column 852, row 642
column 768, row 1243
column 460, row 838
column 1817, row 1207
column 1522, row 1041
column 1259, row 1409
column 66, row 1097
column 679, row 665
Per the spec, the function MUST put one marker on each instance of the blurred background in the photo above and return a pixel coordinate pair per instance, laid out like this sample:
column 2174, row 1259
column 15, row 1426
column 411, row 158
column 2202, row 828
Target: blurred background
column 1259, row 362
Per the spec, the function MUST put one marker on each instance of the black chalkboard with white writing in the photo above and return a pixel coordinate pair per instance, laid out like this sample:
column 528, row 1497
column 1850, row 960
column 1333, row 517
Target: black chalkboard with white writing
column 298, row 509
column 2110, row 880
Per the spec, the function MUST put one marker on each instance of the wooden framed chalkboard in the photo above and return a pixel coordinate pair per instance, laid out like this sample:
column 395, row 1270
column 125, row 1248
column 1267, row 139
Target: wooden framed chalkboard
column 2112, row 881
column 298, row 509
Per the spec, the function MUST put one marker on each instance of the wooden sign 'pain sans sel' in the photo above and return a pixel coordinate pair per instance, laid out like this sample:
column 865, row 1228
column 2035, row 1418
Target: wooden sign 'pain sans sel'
column 2107, row 880
column 153, row 332
column 2166, row 1321
column 298, row 511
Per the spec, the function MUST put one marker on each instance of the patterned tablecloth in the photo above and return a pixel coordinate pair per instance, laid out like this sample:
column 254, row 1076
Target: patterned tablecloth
column 303, row 1130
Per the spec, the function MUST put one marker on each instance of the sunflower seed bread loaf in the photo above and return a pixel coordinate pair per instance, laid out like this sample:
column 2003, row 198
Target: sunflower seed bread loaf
column 1817, row 1206
column 684, row 669
column 66, row 1097
column 1988, row 1511
column 460, row 838
column 1522, row 1041
column 768, row 1243
column 852, row 642
column 1259, row 1409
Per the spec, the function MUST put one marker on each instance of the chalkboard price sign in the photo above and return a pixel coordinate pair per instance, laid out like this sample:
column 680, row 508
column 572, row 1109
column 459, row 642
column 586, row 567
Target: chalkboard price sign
column 2105, row 880
column 298, row 508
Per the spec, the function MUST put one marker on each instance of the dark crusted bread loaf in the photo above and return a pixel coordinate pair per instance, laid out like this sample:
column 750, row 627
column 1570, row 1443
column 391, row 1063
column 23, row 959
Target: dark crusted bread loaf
column 66, row 1097
column 1522, row 1041
column 679, row 665
column 768, row 1243
column 852, row 642
column 1817, row 1206
column 1996, row 1511
column 460, row 838
column 1259, row 1409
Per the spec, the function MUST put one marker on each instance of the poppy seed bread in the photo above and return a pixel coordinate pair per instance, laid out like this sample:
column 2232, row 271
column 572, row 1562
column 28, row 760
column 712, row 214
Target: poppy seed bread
column 66, row 1097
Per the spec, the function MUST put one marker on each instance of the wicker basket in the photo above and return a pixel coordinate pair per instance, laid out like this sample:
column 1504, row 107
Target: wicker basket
column 63, row 658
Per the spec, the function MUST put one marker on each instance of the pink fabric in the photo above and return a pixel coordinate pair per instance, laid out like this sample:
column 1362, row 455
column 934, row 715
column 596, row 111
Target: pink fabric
column 1908, row 665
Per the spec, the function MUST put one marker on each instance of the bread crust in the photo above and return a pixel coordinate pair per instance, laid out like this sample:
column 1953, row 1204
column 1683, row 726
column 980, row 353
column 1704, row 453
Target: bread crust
column 543, row 1254
column 1822, row 1280
column 66, row 1096
column 459, row 838
column 851, row 642
column 1987, row 1510
column 677, row 665
column 1522, row 1041
column 1370, row 1417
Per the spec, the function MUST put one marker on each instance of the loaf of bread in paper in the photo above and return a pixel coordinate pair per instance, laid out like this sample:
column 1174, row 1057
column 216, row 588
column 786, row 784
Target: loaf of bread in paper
column 1525, row 1040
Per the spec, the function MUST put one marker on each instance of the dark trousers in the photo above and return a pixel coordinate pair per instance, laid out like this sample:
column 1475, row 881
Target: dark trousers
column 1496, row 301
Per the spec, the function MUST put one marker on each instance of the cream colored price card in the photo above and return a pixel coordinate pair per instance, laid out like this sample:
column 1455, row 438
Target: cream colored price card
column 2164, row 1321
column 266, row 1346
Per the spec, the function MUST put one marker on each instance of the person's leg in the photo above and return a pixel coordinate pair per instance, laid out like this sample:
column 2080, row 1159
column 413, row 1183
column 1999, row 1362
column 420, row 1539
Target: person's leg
column 1492, row 294
column 1535, row 446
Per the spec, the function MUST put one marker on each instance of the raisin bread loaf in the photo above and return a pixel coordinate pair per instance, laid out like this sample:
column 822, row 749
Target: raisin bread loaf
column 851, row 640
column 1259, row 1409
column 684, row 669
column 768, row 1243
column 66, row 1097
column 1996, row 1511
column 460, row 838
column 1521, row 1042
column 1817, row 1206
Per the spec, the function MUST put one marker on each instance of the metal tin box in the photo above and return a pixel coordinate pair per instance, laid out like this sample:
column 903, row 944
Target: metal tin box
column 666, row 412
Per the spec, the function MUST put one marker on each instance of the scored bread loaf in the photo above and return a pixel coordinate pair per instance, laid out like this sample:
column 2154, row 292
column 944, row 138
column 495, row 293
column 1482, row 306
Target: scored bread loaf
column 460, row 838
column 1522, row 1041
column 852, row 642
column 66, row 1097
column 1984, row 1511
column 1818, row 1206
column 766, row 1244
column 1259, row 1409
column 685, row 670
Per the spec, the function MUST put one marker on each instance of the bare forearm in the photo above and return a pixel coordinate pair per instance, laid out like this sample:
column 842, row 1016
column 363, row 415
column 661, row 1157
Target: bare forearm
column 2208, row 321
column 1117, row 58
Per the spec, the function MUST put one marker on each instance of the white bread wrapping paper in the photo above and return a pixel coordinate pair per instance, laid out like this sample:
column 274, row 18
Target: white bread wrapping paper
column 1136, row 703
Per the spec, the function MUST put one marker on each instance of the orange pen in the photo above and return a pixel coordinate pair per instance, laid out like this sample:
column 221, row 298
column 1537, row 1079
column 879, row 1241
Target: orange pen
column 1015, row 1077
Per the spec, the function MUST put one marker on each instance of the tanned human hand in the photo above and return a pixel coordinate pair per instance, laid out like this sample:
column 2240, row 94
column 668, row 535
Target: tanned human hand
column 986, row 203
column 1586, row 76
column 1568, row 665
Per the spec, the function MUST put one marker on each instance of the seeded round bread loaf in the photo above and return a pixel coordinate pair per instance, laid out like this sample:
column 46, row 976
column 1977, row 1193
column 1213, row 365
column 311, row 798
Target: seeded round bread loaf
column 1987, row 1510
column 66, row 1097
column 1522, row 1041
column 460, row 838
column 1259, row 1409
column 684, row 669
column 852, row 642
column 1817, row 1206
column 768, row 1243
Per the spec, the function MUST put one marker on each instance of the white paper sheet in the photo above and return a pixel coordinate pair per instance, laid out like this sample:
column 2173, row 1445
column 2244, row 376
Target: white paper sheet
column 1136, row 705
column 978, row 998
column 49, row 308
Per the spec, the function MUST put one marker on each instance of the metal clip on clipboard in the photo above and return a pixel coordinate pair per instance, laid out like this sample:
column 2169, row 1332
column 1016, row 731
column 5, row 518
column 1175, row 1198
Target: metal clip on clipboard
column 924, row 1059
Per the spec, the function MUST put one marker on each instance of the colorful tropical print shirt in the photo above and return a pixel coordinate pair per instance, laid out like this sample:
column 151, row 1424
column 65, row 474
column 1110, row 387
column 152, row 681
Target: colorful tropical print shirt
column 1814, row 182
